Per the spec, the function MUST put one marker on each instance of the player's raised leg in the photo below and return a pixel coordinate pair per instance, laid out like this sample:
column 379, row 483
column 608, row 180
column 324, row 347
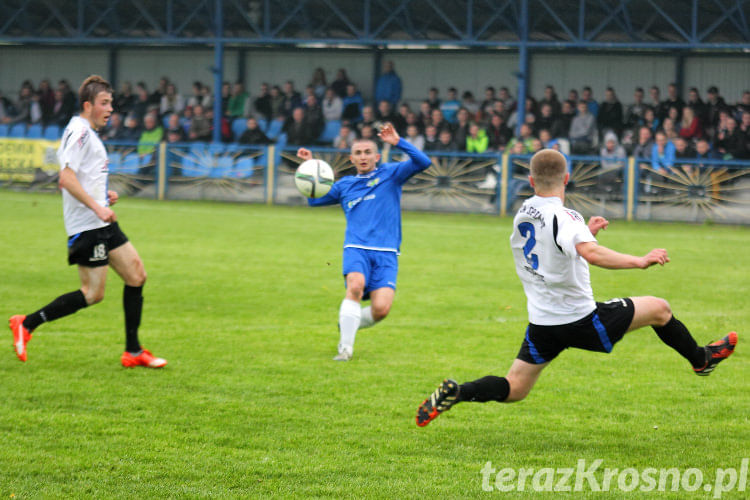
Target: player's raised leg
column 93, row 281
column 128, row 264
column 656, row 312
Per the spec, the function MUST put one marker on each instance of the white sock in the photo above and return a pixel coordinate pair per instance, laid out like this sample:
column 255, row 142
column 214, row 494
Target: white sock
column 366, row 320
column 349, row 318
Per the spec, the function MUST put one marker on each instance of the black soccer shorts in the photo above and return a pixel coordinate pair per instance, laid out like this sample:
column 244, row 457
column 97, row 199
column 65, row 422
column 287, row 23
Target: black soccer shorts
column 91, row 248
column 599, row 331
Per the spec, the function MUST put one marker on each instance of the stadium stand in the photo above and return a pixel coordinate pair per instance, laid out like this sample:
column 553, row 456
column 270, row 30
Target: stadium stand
column 34, row 131
column 17, row 130
column 52, row 132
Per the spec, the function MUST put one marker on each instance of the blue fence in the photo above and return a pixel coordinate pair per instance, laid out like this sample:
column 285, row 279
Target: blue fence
column 626, row 188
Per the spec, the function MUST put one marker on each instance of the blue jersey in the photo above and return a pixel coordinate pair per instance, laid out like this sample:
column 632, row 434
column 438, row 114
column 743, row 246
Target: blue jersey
column 372, row 201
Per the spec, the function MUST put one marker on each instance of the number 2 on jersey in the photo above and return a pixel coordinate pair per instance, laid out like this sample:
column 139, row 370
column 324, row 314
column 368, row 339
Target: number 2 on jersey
column 527, row 231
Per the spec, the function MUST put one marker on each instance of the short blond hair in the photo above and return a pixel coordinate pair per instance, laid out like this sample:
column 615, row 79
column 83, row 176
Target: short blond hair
column 359, row 140
column 548, row 169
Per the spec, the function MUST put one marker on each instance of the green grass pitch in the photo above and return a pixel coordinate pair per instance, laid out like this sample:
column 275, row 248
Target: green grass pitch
column 243, row 301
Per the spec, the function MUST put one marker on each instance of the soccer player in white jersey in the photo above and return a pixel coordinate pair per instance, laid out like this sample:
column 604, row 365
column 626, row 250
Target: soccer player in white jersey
column 371, row 201
column 95, row 240
column 552, row 247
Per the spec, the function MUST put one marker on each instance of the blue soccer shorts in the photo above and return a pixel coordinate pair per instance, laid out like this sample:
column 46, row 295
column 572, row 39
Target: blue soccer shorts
column 380, row 268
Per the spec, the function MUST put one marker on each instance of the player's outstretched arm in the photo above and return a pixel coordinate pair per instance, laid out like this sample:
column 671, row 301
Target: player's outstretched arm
column 417, row 162
column 602, row 256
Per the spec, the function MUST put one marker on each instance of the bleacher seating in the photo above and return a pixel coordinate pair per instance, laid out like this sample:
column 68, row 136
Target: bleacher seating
column 331, row 130
column 52, row 132
column 17, row 130
column 274, row 129
column 34, row 131
column 239, row 125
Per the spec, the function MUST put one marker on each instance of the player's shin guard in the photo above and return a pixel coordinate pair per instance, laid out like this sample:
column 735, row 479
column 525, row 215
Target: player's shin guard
column 350, row 315
column 677, row 336
column 489, row 388
column 132, row 302
column 61, row 306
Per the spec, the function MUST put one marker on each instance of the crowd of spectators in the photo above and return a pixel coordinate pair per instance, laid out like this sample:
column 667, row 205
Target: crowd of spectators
column 659, row 129
column 42, row 105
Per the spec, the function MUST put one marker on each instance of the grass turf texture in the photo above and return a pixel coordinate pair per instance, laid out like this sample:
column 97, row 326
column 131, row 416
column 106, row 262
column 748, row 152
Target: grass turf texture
column 242, row 300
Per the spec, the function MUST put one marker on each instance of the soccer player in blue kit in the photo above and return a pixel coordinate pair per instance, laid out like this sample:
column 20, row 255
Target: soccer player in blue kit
column 371, row 201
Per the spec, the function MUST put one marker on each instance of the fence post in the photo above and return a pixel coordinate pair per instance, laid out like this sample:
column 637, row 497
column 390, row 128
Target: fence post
column 504, row 185
column 630, row 197
column 162, row 172
column 270, row 174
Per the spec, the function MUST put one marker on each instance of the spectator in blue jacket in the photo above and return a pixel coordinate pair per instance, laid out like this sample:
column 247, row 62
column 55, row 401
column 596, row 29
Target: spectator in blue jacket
column 388, row 86
column 451, row 105
column 662, row 153
column 353, row 104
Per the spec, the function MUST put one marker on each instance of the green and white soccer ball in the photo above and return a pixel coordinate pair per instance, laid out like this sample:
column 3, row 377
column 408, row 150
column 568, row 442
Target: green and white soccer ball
column 314, row 178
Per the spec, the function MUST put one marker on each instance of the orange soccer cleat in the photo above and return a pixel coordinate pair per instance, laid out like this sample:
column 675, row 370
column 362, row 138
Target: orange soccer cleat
column 21, row 335
column 716, row 352
column 144, row 358
column 444, row 397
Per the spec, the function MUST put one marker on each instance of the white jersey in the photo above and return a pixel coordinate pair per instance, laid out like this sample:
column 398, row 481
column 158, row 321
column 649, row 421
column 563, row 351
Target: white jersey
column 83, row 152
column 555, row 278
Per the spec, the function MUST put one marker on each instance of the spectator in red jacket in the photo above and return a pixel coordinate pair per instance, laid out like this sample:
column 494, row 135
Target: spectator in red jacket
column 690, row 125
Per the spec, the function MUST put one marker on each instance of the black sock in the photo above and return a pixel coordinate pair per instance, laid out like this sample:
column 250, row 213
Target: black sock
column 61, row 306
column 132, row 302
column 677, row 336
column 489, row 388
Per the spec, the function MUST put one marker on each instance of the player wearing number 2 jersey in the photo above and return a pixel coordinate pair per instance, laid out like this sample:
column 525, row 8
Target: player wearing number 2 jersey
column 552, row 247
column 95, row 240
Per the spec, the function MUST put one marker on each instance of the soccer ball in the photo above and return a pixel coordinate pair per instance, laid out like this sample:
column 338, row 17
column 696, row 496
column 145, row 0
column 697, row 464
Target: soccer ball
column 314, row 178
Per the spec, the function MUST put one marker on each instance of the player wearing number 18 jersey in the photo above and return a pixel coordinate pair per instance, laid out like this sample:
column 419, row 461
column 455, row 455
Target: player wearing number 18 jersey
column 95, row 240
column 552, row 247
